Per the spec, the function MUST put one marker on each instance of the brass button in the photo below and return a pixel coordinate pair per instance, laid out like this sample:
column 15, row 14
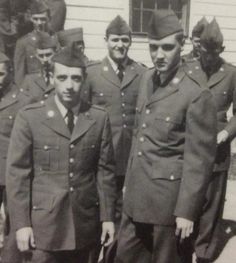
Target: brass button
column 141, row 139
column 140, row 153
column 71, row 160
column 167, row 119
column 72, row 146
column 144, row 126
column 172, row 177
column 71, row 189
column 124, row 126
column 148, row 111
column 45, row 147
column 71, row 174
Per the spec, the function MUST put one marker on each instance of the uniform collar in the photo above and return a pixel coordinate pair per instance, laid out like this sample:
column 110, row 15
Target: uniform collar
column 63, row 110
column 114, row 65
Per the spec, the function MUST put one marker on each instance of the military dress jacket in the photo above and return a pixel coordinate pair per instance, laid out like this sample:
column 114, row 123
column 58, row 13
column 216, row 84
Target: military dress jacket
column 61, row 184
column 119, row 99
column 10, row 104
column 172, row 153
column 35, row 86
column 222, row 85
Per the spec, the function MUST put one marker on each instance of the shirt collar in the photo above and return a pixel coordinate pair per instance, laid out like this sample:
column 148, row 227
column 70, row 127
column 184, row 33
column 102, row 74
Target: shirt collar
column 63, row 110
column 114, row 65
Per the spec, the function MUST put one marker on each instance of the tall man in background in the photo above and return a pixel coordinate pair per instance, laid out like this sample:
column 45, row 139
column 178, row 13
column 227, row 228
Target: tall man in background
column 220, row 78
column 172, row 153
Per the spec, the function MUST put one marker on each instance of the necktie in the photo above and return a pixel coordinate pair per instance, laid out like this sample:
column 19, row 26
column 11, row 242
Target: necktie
column 70, row 120
column 47, row 75
column 120, row 72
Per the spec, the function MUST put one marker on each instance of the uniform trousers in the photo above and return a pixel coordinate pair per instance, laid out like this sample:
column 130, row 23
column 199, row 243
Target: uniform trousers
column 146, row 243
column 208, row 230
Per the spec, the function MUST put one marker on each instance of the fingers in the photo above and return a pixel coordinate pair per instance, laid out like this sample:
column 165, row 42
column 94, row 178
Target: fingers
column 110, row 239
column 23, row 244
column 103, row 237
column 32, row 242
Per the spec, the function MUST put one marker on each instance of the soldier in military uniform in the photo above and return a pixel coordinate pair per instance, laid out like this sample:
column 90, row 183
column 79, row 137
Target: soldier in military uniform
column 195, row 39
column 39, row 85
column 172, row 153
column 113, row 84
column 220, row 78
column 60, row 174
column 11, row 100
column 25, row 60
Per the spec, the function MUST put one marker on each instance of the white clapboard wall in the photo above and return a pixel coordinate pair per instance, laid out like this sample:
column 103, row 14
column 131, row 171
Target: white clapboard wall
column 94, row 16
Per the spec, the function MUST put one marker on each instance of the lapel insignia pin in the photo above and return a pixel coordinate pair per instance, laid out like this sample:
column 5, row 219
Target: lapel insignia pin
column 222, row 69
column 51, row 114
column 13, row 96
column 105, row 68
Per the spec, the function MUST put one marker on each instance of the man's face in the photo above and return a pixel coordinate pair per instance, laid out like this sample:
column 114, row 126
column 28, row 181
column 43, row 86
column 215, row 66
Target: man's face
column 118, row 47
column 45, row 56
column 3, row 75
column 40, row 21
column 79, row 45
column 68, row 82
column 210, row 57
column 165, row 53
column 196, row 44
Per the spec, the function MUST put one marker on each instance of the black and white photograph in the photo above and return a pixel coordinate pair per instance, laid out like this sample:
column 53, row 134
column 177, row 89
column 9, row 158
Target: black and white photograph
column 117, row 131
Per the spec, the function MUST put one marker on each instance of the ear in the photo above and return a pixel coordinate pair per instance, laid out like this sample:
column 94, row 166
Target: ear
column 222, row 49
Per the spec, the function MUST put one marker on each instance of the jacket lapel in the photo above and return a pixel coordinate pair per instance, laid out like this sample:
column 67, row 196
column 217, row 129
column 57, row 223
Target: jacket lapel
column 83, row 124
column 40, row 82
column 54, row 120
column 171, row 88
column 9, row 99
column 217, row 77
column 108, row 73
column 129, row 75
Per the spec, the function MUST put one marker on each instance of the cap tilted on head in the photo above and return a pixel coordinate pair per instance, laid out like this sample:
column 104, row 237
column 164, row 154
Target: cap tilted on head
column 163, row 23
column 3, row 58
column 118, row 26
column 199, row 27
column 212, row 37
column 46, row 41
column 70, row 57
column 38, row 7
column 67, row 37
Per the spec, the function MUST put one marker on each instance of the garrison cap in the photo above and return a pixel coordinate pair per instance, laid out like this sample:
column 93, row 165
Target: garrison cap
column 212, row 37
column 38, row 7
column 67, row 37
column 70, row 57
column 163, row 23
column 118, row 26
column 3, row 58
column 46, row 41
column 199, row 27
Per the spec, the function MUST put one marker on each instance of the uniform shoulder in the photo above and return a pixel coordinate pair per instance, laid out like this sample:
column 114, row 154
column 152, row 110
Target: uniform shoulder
column 229, row 66
column 92, row 63
column 96, row 107
column 34, row 106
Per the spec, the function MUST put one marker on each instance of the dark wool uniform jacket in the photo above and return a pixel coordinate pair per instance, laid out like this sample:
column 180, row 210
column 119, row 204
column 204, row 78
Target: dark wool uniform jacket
column 119, row 99
column 222, row 85
column 61, row 184
column 10, row 103
column 172, row 153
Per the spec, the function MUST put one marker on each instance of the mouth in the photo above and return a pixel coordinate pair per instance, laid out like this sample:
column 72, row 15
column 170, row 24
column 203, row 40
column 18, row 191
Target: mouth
column 160, row 64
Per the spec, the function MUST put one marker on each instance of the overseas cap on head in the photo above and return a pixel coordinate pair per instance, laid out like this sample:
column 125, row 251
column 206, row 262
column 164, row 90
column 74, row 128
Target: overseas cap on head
column 46, row 41
column 38, row 7
column 3, row 58
column 118, row 26
column 212, row 37
column 69, row 36
column 70, row 57
column 163, row 23
column 199, row 27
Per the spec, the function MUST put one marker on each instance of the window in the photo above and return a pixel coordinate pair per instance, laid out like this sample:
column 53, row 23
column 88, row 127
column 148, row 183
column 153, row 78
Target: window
column 141, row 11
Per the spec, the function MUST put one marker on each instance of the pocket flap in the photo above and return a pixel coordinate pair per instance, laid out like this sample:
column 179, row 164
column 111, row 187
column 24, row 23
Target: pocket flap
column 43, row 201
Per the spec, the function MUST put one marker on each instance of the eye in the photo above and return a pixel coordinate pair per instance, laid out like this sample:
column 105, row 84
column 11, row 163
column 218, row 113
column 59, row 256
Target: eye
column 168, row 47
column 125, row 40
column 153, row 47
column 48, row 55
column 61, row 77
column 76, row 78
column 115, row 40
column 2, row 74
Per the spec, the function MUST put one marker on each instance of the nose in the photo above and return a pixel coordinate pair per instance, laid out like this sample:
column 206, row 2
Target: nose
column 69, row 84
column 39, row 21
column 120, row 43
column 159, row 54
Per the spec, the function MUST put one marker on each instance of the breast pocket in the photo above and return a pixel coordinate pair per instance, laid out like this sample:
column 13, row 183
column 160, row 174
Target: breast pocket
column 166, row 126
column 46, row 157
column 221, row 99
column 102, row 98
column 7, row 122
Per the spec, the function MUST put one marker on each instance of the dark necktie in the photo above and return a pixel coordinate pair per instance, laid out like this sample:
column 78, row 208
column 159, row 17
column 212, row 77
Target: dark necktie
column 120, row 72
column 70, row 120
column 47, row 75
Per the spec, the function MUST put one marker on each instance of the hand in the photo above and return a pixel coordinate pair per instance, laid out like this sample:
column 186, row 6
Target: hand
column 184, row 227
column 25, row 238
column 222, row 136
column 108, row 230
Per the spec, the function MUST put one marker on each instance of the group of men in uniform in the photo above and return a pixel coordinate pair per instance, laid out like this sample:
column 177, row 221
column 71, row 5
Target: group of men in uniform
column 112, row 154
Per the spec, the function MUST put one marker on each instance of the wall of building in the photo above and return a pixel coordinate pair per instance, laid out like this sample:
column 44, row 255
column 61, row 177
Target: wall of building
column 94, row 17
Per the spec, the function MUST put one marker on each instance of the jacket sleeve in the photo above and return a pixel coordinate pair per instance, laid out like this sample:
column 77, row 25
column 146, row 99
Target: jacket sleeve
column 19, row 62
column 19, row 173
column 199, row 155
column 231, row 126
column 106, row 177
